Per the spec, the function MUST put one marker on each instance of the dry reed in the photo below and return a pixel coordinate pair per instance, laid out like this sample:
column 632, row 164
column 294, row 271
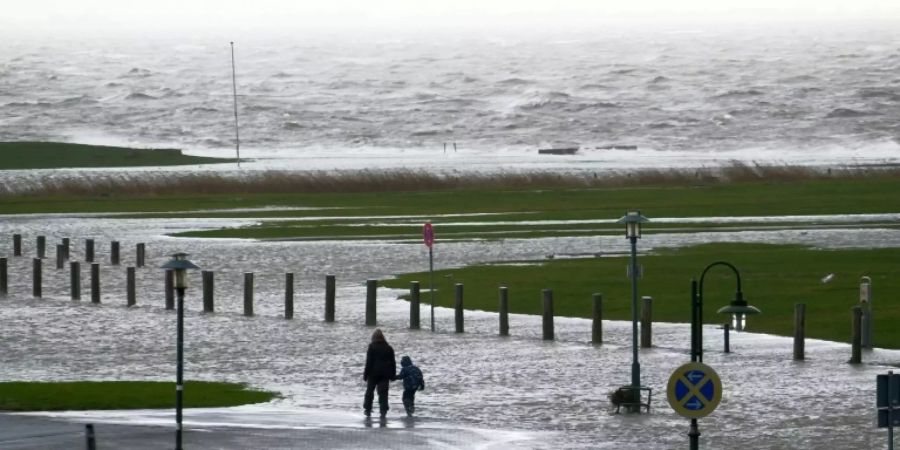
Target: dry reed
column 273, row 181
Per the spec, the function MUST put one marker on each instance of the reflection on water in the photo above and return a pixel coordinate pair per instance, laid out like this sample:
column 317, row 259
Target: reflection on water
column 475, row 379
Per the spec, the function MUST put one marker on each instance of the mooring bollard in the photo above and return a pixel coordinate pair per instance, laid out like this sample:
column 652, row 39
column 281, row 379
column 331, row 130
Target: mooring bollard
column 95, row 283
column 646, row 321
column 60, row 256
column 66, row 243
column 371, row 302
column 504, row 311
column 209, row 286
column 36, row 278
column 726, row 336
column 131, row 296
column 248, row 294
column 114, row 253
column 170, row 288
column 89, row 250
column 856, row 339
column 597, row 323
column 17, row 245
column 865, row 300
column 548, row 314
column 799, row 332
column 139, row 253
column 75, row 280
column 414, row 301
column 4, row 278
column 89, row 435
column 458, row 313
column 289, row 295
column 329, row 298
column 41, row 246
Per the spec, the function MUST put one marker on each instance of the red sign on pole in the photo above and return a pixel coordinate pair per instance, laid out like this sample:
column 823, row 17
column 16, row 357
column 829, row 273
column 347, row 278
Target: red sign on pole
column 428, row 234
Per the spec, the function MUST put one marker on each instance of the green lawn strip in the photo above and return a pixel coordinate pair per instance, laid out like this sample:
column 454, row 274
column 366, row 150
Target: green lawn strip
column 844, row 196
column 774, row 278
column 52, row 155
column 93, row 395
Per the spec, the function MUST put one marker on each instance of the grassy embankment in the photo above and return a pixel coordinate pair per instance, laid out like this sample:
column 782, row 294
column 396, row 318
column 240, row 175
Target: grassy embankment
column 54, row 155
column 773, row 278
column 91, row 395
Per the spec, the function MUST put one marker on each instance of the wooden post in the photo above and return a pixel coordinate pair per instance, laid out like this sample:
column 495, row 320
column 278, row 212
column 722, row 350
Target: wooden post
column 548, row 314
column 95, row 283
column 90, row 437
column 371, row 302
column 129, row 287
column 170, row 288
column 597, row 324
column 17, row 245
column 504, row 311
column 60, row 256
column 414, row 301
column 799, row 332
column 75, row 280
column 329, row 298
column 726, row 332
column 209, row 290
column 856, row 339
column 140, row 251
column 248, row 294
column 36, row 278
column 646, row 321
column 41, row 246
column 4, row 278
column 459, row 318
column 66, row 243
column 289, row 295
column 89, row 250
column 114, row 253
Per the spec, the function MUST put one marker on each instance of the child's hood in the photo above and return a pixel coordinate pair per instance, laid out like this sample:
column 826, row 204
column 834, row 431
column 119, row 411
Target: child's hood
column 405, row 361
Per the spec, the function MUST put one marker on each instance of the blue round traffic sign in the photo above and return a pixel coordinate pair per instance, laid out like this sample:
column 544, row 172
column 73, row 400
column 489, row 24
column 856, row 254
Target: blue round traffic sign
column 694, row 390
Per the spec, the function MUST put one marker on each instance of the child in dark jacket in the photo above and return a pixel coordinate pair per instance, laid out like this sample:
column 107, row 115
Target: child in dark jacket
column 412, row 381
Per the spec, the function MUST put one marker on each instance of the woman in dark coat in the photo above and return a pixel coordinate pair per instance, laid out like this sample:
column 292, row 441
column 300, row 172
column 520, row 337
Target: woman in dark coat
column 381, row 368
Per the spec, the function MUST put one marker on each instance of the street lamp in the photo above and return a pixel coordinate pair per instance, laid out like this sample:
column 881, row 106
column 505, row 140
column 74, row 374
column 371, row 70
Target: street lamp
column 179, row 265
column 738, row 308
column 633, row 221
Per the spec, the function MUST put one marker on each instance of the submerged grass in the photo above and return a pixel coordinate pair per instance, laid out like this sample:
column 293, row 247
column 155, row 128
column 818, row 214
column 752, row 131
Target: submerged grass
column 773, row 278
column 93, row 395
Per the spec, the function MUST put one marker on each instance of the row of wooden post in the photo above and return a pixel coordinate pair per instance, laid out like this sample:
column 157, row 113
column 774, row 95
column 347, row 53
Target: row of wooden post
column 415, row 300
column 63, row 254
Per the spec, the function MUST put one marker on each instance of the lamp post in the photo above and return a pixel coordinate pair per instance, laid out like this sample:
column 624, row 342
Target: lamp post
column 179, row 265
column 738, row 308
column 633, row 221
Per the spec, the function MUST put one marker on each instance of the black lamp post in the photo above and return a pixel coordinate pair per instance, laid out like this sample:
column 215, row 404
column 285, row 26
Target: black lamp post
column 738, row 308
column 179, row 265
column 633, row 221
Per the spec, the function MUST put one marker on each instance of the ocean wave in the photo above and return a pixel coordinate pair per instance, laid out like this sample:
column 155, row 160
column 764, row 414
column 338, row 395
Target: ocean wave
column 514, row 82
column 290, row 125
column 736, row 93
column 140, row 96
column 659, row 79
column 892, row 94
column 430, row 132
column 798, row 79
column 622, row 71
column 843, row 113
column 137, row 72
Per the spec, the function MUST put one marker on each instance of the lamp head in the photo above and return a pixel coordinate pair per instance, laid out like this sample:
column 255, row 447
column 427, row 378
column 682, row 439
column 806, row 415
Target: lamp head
column 633, row 220
column 179, row 265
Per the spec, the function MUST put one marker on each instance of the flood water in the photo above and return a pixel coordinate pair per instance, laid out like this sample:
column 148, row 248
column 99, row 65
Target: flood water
column 529, row 393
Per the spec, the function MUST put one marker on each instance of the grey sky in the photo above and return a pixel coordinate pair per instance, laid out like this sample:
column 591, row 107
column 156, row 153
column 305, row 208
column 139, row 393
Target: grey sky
column 53, row 16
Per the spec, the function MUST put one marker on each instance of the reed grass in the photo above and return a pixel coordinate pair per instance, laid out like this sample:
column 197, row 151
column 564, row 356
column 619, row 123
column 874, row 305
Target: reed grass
column 276, row 181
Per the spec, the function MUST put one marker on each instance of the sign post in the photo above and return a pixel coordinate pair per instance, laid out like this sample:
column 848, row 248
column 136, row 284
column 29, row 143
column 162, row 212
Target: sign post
column 428, row 237
column 865, row 300
column 694, row 391
column 887, row 402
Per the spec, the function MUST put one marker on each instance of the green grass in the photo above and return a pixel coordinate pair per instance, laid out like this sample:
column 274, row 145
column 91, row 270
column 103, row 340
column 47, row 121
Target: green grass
column 94, row 395
column 773, row 278
column 53, row 155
